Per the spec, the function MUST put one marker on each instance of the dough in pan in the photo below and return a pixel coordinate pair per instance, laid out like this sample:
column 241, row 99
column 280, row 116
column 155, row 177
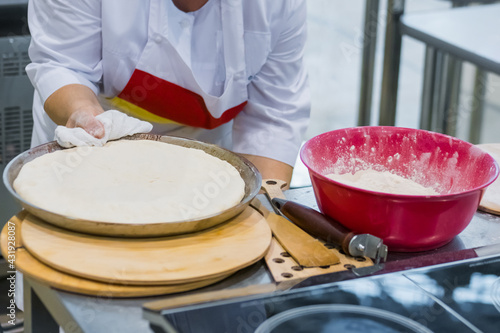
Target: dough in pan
column 131, row 181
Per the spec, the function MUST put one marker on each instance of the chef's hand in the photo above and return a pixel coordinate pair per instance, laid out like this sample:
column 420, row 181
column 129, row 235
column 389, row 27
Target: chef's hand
column 86, row 120
column 75, row 105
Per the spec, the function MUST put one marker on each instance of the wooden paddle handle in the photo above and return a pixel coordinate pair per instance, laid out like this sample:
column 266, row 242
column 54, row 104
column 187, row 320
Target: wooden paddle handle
column 273, row 188
column 316, row 224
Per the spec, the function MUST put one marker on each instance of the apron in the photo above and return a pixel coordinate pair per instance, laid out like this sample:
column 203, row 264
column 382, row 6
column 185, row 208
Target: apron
column 166, row 92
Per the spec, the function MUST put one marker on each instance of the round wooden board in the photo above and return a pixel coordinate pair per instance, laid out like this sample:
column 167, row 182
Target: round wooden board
column 208, row 254
column 28, row 265
column 491, row 200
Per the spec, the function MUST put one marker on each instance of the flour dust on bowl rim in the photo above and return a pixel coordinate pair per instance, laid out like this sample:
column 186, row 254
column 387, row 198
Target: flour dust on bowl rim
column 457, row 170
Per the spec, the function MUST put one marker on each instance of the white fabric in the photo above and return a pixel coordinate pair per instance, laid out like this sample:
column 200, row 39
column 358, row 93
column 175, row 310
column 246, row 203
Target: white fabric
column 82, row 42
column 175, row 69
column 209, row 71
column 116, row 125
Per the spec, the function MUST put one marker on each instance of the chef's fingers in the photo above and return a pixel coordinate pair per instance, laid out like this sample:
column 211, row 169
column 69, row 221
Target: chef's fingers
column 95, row 128
column 88, row 122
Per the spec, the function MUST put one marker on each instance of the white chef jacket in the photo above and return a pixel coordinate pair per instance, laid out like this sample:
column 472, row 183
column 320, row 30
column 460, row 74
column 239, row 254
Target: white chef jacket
column 98, row 43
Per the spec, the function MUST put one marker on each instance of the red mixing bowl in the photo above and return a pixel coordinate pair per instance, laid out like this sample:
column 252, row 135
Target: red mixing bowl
column 456, row 169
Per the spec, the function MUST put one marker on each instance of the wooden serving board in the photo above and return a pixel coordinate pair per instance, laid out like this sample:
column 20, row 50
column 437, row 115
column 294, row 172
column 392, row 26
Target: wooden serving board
column 209, row 254
column 33, row 268
column 491, row 199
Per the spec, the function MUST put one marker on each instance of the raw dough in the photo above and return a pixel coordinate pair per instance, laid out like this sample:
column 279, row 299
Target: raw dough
column 491, row 198
column 131, row 181
column 385, row 182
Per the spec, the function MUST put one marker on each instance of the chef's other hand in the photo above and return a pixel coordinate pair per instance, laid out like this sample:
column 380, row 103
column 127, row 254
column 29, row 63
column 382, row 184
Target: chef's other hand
column 87, row 121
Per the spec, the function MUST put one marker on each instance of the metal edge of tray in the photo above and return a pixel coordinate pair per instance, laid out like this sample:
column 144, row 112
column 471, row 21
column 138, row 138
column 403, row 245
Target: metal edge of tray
column 247, row 170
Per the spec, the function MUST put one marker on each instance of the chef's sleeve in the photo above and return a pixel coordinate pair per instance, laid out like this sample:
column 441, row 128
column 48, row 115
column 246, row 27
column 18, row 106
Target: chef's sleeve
column 277, row 113
column 65, row 44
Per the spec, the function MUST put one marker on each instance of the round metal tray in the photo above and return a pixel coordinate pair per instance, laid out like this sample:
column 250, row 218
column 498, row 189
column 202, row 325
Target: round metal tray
column 247, row 170
column 339, row 318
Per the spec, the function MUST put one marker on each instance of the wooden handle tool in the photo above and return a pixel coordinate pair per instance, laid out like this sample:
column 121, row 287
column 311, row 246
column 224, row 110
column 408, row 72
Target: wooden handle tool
column 332, row 231
column 304, row 248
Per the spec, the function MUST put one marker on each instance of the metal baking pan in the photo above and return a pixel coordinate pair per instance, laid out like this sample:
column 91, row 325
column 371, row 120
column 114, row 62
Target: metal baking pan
column 247, row 170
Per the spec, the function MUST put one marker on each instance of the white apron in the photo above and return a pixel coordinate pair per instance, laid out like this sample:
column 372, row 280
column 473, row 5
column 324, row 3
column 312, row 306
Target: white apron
column 168, row 95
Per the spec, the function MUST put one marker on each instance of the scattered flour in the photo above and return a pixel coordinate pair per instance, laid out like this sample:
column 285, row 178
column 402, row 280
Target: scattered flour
column 385, row 182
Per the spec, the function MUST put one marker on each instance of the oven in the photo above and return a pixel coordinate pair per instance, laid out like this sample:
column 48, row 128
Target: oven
column 16, row 92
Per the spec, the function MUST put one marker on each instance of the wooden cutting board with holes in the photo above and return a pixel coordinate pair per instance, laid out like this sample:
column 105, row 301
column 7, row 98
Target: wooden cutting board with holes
column 491, row 200
column 284, row 268
column 33, row 268
column 208, row 254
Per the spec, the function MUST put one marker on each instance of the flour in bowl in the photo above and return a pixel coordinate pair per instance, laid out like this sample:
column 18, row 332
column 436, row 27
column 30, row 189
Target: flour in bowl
column 385, row 182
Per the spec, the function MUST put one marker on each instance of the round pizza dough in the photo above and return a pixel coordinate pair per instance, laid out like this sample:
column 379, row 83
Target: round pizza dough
column 491, row 198
column 131, row 181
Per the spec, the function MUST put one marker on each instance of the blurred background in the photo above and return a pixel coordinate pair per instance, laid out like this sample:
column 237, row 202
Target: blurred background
column 334, row 54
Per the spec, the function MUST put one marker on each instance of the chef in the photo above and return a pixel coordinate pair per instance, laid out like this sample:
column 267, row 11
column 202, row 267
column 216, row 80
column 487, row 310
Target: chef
column 229, row 72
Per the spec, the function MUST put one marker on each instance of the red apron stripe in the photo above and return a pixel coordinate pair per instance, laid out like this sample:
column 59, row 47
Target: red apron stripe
column 170, row 101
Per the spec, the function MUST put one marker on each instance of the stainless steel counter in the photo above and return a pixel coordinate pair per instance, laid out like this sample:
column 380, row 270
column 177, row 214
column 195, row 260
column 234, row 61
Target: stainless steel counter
column 78, row 313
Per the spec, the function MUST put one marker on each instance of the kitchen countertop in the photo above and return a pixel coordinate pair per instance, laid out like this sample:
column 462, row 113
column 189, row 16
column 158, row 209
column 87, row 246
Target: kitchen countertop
column 79, row 313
